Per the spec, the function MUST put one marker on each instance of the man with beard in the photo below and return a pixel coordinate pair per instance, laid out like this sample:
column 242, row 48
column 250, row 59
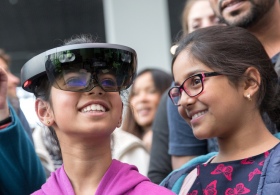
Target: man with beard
column 260, row 17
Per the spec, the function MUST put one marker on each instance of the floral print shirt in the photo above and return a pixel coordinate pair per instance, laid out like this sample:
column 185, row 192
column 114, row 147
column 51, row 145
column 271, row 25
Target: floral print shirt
column 229, row 178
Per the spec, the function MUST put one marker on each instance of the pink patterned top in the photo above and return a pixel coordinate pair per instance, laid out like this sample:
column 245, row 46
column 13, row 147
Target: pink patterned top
column 229, row 178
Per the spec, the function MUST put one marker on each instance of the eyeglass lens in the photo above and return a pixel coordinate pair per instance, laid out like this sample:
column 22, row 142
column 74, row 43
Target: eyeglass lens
column 192, row 86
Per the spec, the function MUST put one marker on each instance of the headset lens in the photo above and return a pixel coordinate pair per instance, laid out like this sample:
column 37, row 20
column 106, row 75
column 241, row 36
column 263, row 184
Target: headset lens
column 82, row 69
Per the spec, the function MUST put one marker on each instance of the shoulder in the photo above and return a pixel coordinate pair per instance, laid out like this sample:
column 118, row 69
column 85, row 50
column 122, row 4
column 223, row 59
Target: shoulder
column 270, row 179
column 175, row 179
column 57, row 183
column 150, row 188
column 124, row 142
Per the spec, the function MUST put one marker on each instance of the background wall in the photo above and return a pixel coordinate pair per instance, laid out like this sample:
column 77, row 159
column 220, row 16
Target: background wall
column 142, row 25
column 29, row 27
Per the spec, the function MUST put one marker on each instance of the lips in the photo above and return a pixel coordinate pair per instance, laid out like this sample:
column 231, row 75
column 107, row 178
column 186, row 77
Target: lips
column 91, row 106
column 196, row 114
column 143, row 111
column 227, row 3
column 94, row 107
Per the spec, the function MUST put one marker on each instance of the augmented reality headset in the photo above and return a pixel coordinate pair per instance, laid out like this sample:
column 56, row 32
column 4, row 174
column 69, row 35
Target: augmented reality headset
column 81, row 67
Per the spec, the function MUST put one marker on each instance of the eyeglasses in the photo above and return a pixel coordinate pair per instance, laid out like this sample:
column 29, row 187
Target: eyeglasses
column 192, row 86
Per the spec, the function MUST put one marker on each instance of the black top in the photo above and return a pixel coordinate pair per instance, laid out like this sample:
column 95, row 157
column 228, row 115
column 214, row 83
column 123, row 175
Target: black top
column 160, row 162
column 229, row 178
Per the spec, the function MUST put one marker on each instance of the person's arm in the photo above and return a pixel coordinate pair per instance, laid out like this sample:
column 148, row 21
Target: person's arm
column 4, row 111
column 160, row 160
column 21, row 169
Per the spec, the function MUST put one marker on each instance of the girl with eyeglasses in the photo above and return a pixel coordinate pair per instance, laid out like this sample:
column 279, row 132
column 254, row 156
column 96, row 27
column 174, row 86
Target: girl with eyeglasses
column 225, row 81
column 78, row 96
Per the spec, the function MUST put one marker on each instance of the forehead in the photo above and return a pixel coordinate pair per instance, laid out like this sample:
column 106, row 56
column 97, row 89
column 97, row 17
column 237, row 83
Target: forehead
column 3, row 64
column 200, row 9
column 187, row 65
column 143, row 81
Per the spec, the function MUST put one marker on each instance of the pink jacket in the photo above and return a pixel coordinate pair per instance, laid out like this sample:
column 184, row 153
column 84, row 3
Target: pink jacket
column 119, row 179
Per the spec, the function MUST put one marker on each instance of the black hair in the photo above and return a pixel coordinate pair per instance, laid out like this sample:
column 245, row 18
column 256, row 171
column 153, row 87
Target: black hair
column 230, row 51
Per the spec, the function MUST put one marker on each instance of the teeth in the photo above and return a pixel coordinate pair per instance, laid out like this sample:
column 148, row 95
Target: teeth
column 198, row 114
column 94, row 107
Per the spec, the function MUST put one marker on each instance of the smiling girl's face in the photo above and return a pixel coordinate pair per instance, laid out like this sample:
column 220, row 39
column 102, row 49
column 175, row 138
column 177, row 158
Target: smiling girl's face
column 84, row 114
column 219, row 105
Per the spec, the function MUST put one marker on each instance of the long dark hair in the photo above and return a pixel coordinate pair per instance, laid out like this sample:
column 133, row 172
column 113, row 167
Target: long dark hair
column 231, row 50
column 162, row 81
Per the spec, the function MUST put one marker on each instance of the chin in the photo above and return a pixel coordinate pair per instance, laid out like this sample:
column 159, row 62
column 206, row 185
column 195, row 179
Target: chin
column 201, row 135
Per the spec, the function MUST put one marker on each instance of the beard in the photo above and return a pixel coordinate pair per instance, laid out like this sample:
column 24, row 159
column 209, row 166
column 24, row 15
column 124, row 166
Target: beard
column 255, row 14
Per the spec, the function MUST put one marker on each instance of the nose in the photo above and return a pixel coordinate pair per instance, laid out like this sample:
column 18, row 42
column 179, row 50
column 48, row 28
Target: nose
column 13, row 79
column 207, row 22
column 141, row 97
column 96, row 89
column 186, row 100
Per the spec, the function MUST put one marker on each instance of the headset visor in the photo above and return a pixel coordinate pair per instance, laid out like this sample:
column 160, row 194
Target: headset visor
column 111, row 67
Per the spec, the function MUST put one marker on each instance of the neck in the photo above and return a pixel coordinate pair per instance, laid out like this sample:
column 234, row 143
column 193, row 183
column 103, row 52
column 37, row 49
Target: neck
column 147, row 129
column 147, row 138
column 267, row 30
column 86, row 164
column 250, row 140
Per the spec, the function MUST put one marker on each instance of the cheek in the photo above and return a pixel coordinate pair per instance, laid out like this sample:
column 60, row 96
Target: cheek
column 61, row 101
column 183, row 114
column 133, row 100
column 156, row 99
column 64, row 102
column 117, row 103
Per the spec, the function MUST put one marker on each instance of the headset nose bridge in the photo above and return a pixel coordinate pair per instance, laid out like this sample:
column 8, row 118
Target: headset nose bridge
column 93, row 79
column 94, row 83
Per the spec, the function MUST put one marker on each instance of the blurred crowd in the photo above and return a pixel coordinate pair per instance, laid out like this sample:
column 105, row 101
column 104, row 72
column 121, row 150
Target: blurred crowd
column 180, row 135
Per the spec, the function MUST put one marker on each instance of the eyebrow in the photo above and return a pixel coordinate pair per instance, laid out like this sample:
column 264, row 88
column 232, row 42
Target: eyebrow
column 194, row 72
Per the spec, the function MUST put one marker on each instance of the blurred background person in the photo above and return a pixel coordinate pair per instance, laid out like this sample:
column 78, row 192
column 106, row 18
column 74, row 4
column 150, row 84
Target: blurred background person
column 143, row 101
column 13, row 83
column 144, row 98
column 259, row 17
column 21, row 169
column 128, row 148
column 196, row 14
column 172, row 145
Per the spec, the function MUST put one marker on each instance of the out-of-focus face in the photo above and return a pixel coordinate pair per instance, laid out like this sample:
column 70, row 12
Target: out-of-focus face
column 242, row 13
column 13, row 81
column 145, row 99
column 201, row 15
column 214, row 112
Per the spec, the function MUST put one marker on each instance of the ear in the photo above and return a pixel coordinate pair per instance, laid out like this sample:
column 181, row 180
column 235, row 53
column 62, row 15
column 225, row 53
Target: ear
column 251, row 82
column 120, row 121
column 44, row 112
